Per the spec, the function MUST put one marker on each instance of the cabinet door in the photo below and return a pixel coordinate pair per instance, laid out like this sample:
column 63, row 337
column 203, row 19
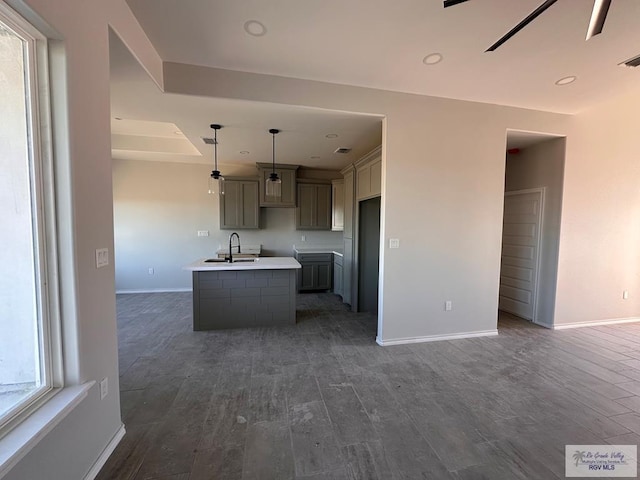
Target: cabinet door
column 307, row 276
column 239, row 205
column 363, row 184
column 337, row 205
column 324, row 276
column 306, row 212
column 349, row 199
column 230, row 204
column 288, row 186
column 376, row 177
column 323, row 207
column 314, row 207
column 249, row 211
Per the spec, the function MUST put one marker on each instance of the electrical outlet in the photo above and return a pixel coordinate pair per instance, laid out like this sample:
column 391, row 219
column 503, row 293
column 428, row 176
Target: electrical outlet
column 394, row 243
column 625, row 294
column 104, row 388
column 102, row 257
column 448, row 305
column 303, row 238
column 203, row 233
column 151, row 271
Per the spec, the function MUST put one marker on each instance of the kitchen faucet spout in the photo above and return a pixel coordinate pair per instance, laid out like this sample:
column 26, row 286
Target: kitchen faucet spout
column 230, row 258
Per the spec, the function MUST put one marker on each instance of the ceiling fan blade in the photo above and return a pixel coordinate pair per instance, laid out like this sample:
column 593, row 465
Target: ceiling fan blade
column 451, row 3
column 598, row 16
column 529, row 18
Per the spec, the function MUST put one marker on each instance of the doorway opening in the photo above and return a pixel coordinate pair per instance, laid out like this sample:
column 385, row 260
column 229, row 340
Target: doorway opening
column 368, row 254
column 534, row 175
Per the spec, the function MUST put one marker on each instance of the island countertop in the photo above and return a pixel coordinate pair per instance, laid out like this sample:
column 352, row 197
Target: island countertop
column 261, row 263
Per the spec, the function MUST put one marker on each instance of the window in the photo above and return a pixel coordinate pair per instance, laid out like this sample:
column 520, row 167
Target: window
column 26, row 359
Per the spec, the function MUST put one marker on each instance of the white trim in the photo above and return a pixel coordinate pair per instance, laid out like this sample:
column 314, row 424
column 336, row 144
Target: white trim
column 106, row 453
column 155, row 290
column 23, row 438
column 596, row 323
column 436, row 338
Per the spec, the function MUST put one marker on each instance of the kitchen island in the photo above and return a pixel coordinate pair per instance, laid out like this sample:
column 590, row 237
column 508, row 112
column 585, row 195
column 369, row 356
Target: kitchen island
column 256, row 293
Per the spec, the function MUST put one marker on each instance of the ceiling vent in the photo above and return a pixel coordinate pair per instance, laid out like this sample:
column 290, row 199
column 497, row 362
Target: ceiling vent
column 633, row 62
column 209, row 141
column 342, row 150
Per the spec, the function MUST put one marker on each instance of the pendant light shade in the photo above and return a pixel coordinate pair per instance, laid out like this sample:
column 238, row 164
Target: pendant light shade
column 273, row 183
column 216, row 180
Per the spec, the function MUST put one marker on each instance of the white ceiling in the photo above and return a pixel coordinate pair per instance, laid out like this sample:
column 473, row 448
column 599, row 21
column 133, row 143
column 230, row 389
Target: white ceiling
column 381, row 44
column 150, row 125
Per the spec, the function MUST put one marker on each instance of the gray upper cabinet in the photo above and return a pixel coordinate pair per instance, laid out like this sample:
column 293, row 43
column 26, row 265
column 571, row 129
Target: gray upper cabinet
column 314, row 206
column 239, row 204
column 369, row 175
column 349, row 199
column 287, row 174
column 337, row 205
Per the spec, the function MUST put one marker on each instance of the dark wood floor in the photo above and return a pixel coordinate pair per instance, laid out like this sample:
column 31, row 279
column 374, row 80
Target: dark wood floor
column 321, row 400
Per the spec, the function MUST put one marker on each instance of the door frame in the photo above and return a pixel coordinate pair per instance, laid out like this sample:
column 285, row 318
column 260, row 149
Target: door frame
column 526, row 191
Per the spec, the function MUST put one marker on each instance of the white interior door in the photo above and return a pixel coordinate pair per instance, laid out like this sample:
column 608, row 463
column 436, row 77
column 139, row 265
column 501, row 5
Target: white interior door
column 520, row 252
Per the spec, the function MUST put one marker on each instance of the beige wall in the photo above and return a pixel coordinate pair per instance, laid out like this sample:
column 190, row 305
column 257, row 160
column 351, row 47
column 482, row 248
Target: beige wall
column 538, row 166
column 158, row 209
column 80, row 72
column 600, row 233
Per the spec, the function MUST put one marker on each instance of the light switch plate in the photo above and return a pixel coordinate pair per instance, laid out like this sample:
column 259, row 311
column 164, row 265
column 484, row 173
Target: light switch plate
column 102, row 257
column 104, row 387
column 203, row 233
column 394, row 243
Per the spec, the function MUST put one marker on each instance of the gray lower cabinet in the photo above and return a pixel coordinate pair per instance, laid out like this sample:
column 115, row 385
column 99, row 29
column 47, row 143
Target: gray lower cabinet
column 239, row 204
column 314, row 206
column 337, row 274
column 243, row 298
column 316, row 272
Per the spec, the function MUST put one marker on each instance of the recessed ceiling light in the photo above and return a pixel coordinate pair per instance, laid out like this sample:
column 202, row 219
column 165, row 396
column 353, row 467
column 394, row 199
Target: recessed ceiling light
column 432, row 59
column 566, row 80
column 244, row 152
column 255, row 28
column 178, row 133
column 331, row 135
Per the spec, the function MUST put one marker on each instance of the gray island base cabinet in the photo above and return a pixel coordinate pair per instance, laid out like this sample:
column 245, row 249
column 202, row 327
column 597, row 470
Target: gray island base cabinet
column 243, row 297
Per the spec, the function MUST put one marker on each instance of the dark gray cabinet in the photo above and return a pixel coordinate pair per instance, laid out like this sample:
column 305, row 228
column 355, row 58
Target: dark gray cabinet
column 287, row 174
column 316, row 272
column 314, row 206
column 239, row 204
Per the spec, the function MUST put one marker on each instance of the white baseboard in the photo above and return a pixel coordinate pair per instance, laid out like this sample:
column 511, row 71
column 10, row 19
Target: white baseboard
column 436, row 338
column 596, row 323
column 106, row 453
column 155, row 290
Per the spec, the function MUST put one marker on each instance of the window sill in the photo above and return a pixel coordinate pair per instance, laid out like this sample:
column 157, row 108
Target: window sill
column 24, row 437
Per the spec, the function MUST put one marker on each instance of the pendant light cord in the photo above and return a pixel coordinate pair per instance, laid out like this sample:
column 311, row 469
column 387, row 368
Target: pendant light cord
column 215, row 149
column 273, row 153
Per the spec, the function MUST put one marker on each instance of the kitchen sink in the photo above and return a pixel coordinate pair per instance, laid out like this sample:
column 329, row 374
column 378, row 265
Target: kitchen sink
column 235, row 260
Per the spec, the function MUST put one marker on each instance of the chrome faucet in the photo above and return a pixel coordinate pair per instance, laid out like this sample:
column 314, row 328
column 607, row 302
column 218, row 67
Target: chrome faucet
column 230, row 257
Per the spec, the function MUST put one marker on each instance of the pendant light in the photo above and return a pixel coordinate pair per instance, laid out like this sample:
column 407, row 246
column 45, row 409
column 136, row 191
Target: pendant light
column 274, row 183
column 216, row 180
